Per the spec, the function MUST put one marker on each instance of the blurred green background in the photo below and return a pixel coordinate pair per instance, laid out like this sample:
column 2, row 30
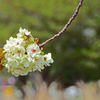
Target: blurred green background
column 76, row 52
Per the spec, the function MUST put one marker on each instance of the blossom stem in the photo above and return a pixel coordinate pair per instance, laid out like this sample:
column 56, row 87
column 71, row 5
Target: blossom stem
column 65, row 27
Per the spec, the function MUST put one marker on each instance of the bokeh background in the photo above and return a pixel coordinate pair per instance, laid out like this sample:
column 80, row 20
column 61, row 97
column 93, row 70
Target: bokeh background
column 75, row 73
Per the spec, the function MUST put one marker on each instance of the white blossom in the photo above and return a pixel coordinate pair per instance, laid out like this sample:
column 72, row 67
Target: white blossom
column 23, row 54
column 39, row 62
column 48, row 59
column 23, row 32
column 33, row 49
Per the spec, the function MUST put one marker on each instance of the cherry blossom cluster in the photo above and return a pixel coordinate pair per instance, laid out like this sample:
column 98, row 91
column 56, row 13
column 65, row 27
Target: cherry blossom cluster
column 23, row 54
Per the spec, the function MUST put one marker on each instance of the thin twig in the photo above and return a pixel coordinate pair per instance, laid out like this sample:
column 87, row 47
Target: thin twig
column 65, row 27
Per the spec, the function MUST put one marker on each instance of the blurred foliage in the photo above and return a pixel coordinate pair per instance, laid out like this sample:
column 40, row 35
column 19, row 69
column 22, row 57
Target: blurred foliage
column 76, row 53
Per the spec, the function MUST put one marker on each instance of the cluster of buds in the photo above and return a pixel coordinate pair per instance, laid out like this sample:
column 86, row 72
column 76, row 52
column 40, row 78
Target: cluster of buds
column 23, row 55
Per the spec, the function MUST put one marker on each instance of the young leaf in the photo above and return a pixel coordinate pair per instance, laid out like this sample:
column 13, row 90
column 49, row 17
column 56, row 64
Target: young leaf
column 1, row 59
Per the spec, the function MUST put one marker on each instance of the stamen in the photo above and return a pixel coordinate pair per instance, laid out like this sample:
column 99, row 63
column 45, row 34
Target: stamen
column 33, row 50
column 19, row 51
column 17, row 43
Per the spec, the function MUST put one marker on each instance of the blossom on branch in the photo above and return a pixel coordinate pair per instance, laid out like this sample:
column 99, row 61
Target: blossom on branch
column 23, row 55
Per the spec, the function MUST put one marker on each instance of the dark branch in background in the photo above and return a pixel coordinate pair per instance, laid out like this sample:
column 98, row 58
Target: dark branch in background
column 65, row 27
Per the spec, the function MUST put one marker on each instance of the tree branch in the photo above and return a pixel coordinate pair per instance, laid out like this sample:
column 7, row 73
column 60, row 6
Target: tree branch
column 65, row 27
